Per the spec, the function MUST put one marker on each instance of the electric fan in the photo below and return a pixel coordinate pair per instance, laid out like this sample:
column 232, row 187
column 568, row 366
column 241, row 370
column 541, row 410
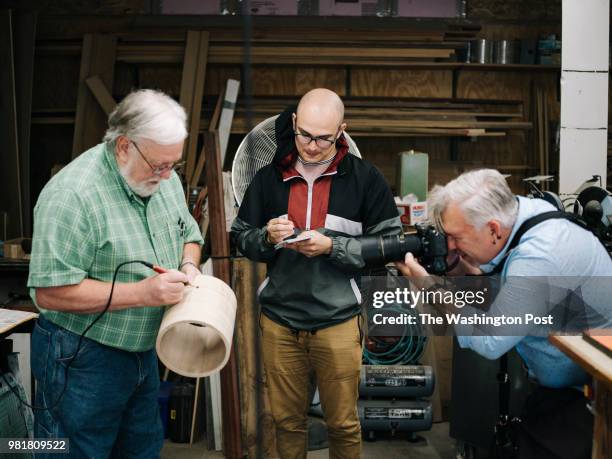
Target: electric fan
column 256, row 151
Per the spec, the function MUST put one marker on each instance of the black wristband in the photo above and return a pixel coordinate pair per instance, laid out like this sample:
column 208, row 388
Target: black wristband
column 189, row 263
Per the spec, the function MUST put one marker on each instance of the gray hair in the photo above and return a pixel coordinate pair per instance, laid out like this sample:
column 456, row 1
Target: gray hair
column 148, row 114
column 483, row 195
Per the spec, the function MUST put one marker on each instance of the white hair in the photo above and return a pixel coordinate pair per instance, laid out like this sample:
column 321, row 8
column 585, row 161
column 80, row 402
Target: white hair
column 482, row 195
column 148, row 114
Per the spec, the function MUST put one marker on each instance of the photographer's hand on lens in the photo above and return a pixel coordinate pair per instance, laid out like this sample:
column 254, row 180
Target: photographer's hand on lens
column 318, row 244
column 410, row 267
column 279, row 229
column 163, row 289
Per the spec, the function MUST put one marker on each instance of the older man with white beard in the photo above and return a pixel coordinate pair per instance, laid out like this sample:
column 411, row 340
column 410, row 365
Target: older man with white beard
column 118, row 202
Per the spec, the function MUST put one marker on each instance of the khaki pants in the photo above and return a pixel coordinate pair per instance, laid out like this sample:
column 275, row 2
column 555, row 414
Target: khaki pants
column 334, row 354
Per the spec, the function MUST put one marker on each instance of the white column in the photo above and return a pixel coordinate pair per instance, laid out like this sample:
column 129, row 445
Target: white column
column 584, row 92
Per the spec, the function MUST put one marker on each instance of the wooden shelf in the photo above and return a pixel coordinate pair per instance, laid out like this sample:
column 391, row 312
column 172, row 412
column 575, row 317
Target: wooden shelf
column 377, row 117
column 173, row 52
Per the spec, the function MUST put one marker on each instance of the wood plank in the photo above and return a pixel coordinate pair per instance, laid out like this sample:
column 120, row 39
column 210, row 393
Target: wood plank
column 373, row 124
column 212, row 126
column 98, row 58
column 492, row 85
column 229, row 54
column 168, row 78
column 401, row 83
column 197, row 173
column 10, row 186
column 256, row 416
column 101, row 93
column 593, row 360
column 217, row 76
column 296, row 81
column 194, row 414
column 227, row 115
column 199, row 417
column 220, row 251
column 24, row 33
column 192, row 90
column 190, row 58
column 402, row 125
column 391, row 113
column 160, row 53
column 214, row 119
column 429, row 133
column 338, row 25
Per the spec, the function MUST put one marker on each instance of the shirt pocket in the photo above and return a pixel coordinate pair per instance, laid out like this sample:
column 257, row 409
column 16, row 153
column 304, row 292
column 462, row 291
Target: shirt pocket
column 172, row 237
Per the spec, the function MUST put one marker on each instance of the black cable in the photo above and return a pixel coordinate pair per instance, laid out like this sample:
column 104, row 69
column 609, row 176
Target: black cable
column 227, row 257
column 110, row 298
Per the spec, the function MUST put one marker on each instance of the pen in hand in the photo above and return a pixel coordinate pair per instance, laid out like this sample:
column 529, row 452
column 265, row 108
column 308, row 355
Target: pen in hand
column 160, row 270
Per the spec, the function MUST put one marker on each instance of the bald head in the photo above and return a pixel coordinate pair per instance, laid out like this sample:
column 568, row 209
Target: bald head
column 321, row 103
column 318, row 122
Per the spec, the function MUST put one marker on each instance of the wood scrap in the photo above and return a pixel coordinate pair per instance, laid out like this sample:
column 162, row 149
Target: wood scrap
column 192, row 89
column 101, row 93
column 98, row 58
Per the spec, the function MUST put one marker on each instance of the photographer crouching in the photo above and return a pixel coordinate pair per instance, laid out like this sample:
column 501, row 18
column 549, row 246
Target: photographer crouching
column 489, row 230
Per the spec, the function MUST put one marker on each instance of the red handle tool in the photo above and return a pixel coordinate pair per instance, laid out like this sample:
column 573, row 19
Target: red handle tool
column 160, row 270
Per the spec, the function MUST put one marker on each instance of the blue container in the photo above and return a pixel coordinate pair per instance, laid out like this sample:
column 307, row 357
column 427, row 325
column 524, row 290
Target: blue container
column 165, row 388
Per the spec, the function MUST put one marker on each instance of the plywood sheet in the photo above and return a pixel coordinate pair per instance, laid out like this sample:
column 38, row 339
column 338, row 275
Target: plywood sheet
column 401, row 83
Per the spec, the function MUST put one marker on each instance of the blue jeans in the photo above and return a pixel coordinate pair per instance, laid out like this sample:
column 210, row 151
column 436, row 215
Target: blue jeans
column 109, row 407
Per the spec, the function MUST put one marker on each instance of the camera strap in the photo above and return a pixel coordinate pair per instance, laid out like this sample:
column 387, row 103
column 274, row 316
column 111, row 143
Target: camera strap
column 530, row 223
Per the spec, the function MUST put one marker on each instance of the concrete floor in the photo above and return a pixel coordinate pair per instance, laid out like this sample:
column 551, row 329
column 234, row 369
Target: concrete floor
column 434, row 444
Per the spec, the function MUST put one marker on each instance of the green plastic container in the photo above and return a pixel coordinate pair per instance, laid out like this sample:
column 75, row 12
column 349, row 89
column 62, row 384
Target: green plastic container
column 412, row 174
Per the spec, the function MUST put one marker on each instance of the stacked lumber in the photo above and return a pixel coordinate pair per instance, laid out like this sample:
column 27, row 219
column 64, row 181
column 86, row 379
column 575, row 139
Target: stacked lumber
column 408, row 117
column 377, row 117
column 296, row 46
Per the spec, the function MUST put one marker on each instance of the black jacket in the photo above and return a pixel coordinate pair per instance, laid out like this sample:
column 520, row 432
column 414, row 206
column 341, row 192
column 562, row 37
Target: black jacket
column 349, row 200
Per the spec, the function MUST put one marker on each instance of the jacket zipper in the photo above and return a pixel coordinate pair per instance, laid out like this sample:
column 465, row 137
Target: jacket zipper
column 309, row 199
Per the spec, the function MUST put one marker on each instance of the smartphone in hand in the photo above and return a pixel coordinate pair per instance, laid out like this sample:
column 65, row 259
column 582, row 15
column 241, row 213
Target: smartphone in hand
column 292, row 239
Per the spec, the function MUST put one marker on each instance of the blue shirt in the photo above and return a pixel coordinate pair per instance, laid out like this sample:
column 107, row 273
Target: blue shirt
column 555, row 247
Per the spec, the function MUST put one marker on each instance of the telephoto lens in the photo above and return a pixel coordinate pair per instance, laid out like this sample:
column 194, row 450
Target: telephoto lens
column 428, row 246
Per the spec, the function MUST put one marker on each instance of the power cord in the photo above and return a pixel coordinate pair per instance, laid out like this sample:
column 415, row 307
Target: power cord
column 74, row 356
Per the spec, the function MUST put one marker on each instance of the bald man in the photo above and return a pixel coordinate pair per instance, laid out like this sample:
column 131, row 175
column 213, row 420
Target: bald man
column 310, row 301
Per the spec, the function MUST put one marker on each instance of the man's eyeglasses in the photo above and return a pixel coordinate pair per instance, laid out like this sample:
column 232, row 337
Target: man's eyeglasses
column 160, row 169
column 323, row 142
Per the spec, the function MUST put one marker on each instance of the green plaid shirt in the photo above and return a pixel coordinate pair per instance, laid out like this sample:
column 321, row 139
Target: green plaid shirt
column 87, row 221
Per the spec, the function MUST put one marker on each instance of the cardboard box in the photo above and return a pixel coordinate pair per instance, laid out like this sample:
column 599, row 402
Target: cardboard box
column 413, row 213
column 14, row 248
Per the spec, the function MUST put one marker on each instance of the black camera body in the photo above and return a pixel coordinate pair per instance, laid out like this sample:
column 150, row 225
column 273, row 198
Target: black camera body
column 428, row 245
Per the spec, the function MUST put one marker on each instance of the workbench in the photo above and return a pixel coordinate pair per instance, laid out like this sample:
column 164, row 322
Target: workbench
column 599, row 365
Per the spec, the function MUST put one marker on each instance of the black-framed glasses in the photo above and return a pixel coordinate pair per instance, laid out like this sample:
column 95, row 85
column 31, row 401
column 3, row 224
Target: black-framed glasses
column 321, row 141
column 160, row 169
